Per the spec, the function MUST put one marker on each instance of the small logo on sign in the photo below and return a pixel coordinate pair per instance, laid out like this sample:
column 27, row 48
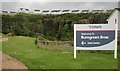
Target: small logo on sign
column 95, row 26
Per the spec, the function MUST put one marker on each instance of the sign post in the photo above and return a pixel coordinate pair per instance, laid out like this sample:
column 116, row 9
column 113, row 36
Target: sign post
column 95, row 37
column 74, row 40
column 116, row 37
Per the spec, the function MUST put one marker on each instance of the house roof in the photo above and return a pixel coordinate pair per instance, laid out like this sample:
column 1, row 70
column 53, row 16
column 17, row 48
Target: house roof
column 85, row 10
column 65, row 10
column 36, row 10
column 75, row 10
column 113, row 12
column 55, row 10
column 45, row 11
column 117, row 9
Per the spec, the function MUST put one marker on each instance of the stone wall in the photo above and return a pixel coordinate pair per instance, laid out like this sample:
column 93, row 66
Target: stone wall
column 55, row 43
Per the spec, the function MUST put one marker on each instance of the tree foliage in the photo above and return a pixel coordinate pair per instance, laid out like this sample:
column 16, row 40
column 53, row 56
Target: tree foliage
column 53, row 27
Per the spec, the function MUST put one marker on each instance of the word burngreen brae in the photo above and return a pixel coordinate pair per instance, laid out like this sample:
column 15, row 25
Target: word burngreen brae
column 95, row 37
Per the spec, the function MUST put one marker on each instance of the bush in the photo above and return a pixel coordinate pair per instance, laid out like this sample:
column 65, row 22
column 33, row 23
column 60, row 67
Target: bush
column 53, row 27
column 36, row 41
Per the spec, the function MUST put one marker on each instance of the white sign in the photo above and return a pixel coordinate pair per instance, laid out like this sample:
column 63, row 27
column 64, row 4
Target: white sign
column 95, row 37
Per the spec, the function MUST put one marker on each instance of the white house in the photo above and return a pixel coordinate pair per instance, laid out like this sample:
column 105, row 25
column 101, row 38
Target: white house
column 65, row 11
column 36, row 11
column 46, row 12
column 97, row 11
column 114, row 18
column 25, row 10
column 5, row 12
column 85, row 11
column 12, row 12
column 75, row 11
column 56, row 11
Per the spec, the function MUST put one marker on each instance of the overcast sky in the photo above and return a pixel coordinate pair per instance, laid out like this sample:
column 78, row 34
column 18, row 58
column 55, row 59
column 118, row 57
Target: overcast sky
column 14, row 6
column 60, row 0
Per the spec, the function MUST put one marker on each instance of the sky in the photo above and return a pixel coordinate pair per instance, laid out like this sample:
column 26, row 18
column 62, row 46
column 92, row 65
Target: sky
column 15, row 5
column 60, row 0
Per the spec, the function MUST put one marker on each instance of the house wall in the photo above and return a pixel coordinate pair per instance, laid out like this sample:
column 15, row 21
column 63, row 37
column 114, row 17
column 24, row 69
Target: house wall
column 24, row 11
column 45, row 12
column 36, row 12
column 66, row 12
column 55, row 12
column 114, row 16
column 75, row 12
column 111, row 20
column 119, row 21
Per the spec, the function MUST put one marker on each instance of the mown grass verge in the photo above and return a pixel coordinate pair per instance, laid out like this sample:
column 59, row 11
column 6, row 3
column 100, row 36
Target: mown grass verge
column 25, row 50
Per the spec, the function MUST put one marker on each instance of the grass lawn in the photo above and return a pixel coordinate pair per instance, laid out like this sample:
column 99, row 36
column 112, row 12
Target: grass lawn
column 25, row 50
column 0, row 42
column 0, row 34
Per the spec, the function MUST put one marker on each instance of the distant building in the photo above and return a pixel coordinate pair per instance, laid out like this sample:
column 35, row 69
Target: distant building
column 114, row 18
column 36, row 11
column 65, row 11
column 97, row 11
column 45, row 12
column 25, row 10
column 8, row 12
column 21, row 9
column 75, row 11
column 85, row 11
column 56, row 12
column 12, row 12
column 4, row 12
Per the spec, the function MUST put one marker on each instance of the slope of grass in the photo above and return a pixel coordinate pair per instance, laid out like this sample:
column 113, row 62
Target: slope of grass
column 0, row 34
column 25, row 50
column 0, row 42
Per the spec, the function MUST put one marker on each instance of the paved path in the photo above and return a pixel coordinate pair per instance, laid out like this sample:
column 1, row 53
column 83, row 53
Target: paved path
column 8, row 62
column 0, row 60
column 3, row 39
